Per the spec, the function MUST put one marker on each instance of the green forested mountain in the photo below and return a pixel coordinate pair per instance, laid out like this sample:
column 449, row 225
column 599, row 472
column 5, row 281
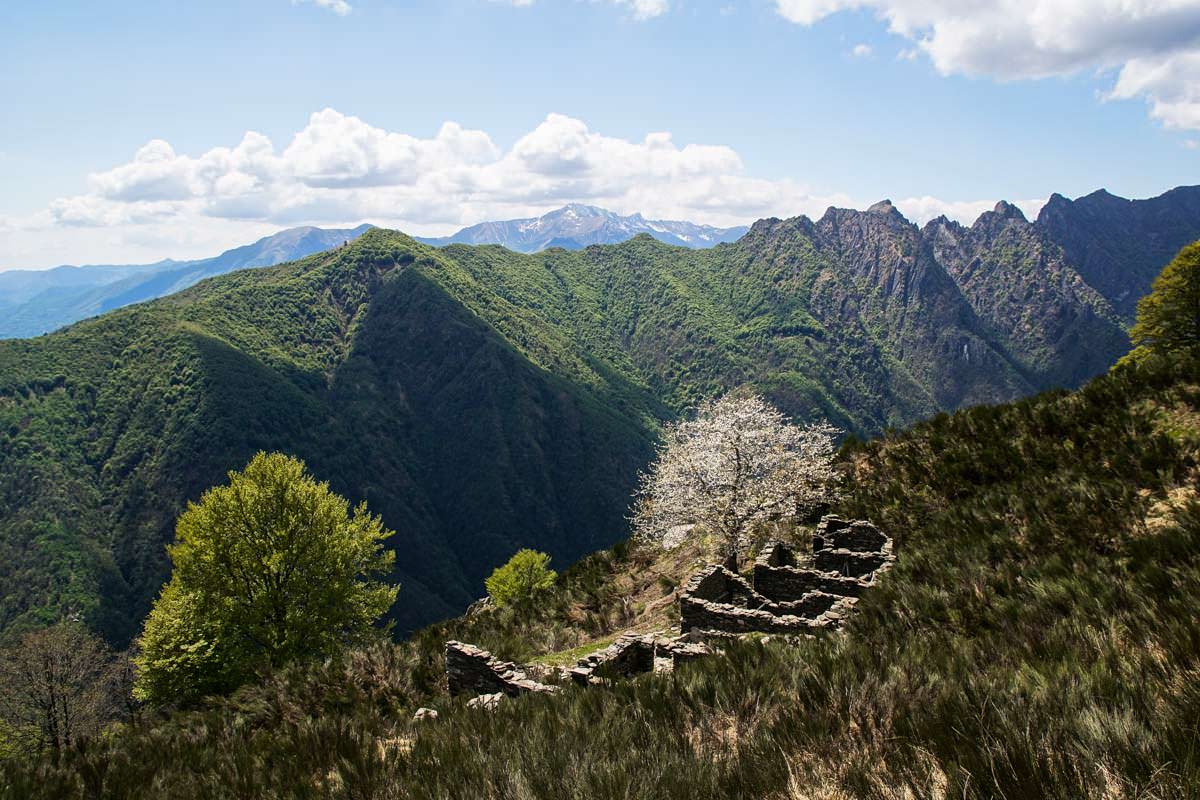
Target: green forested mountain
column 33, row 302
column 482, row 400
column 1035, row 638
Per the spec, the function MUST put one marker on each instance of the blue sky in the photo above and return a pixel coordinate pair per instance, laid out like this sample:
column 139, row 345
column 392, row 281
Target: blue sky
column 717, row 112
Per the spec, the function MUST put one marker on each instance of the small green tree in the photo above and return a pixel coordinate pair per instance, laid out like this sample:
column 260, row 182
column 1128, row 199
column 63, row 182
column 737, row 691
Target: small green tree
column 1168, row 319
column 267, row 569
column 526, row 575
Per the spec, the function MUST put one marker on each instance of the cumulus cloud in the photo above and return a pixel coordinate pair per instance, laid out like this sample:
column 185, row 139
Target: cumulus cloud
column 1170, row 84
column 861, row 50
column 340, row 170
column 922, row 209
column 1153, row 44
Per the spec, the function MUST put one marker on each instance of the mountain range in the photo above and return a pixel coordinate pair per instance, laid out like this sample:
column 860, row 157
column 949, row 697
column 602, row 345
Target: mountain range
column 483, row 400
column 576, row 226
column 33, row 302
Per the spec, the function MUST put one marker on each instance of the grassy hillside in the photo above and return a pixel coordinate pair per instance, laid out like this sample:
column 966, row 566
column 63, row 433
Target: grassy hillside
column 479, row 399
column 1036, row 638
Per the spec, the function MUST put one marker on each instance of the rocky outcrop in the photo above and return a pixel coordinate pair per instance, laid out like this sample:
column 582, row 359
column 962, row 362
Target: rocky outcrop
column 1119, row 246
column 1033, row 304
column 470, row 670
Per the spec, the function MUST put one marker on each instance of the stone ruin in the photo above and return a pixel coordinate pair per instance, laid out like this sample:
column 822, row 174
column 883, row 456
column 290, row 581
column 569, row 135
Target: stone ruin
column 786, row 597
column 783, row 598
column 470, row 670
column 633, row 653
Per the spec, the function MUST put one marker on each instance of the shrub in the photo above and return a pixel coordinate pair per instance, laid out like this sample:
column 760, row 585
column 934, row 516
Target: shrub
column 526, row 575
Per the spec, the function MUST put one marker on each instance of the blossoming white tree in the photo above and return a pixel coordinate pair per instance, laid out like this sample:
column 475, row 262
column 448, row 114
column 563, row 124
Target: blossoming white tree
column 737, row 465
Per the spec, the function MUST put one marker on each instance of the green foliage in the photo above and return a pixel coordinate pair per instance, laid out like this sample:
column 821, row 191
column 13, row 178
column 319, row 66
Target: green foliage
column 1036, row 638
column 479, row 400
column 519, row 581
column 269, row 569
column 1168, row 319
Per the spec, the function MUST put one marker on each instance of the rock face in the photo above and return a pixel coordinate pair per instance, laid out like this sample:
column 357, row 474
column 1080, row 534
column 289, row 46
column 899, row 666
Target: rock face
column 470, row 670
column 787, row 598
column 1119, row 246
column 1029, row 299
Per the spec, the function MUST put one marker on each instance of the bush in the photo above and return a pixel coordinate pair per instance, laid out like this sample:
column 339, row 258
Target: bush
column 526, row 575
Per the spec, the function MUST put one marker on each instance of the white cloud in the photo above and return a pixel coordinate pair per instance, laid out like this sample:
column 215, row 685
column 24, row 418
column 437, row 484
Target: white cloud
column 1170, row 84
column 1155, row 44
column 861, row 50
column 645, row 9
column 339, row 7
column 640, row 9
column 340, row 170
column 922, row 209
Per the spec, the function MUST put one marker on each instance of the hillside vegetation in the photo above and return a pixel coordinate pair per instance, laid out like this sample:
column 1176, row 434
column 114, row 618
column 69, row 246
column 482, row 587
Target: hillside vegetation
column 482, row 400
column 1036, row 638
column 33, row 302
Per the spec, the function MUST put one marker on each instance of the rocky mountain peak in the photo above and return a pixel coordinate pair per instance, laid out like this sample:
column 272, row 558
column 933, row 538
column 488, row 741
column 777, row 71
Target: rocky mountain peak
column 1006, row 210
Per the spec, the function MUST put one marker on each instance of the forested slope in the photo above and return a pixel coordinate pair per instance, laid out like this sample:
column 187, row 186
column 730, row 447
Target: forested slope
column 479, row 399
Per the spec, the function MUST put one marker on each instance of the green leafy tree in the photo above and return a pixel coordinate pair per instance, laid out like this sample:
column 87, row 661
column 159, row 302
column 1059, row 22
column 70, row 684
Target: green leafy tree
column 1168, row 318
column 526, row 575
column 267, row 569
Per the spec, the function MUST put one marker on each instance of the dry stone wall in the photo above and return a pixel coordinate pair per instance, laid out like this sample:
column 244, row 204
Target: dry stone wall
column 786, row 597
column 633, row 653
column 470, row 670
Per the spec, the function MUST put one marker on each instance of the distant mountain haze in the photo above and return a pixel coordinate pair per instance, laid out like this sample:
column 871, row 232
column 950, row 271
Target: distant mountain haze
column 33, row 302
column 1116, row 245
column 576, row 226
column 483, row 400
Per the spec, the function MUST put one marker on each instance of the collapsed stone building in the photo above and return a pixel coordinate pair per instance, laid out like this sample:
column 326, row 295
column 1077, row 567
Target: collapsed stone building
column 782, row 597
column 470, row 670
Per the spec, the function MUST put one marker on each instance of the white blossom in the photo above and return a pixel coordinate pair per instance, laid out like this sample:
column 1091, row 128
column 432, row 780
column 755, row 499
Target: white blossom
column 738, row 464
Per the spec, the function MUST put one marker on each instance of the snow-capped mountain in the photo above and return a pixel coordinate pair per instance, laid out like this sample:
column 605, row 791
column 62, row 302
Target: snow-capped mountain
column 576, row 226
